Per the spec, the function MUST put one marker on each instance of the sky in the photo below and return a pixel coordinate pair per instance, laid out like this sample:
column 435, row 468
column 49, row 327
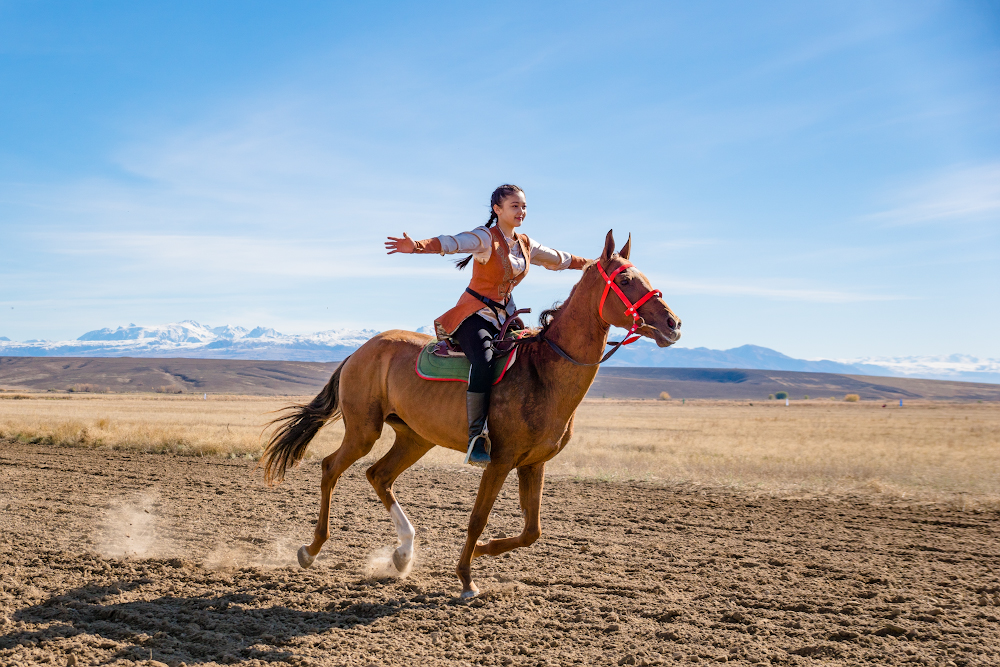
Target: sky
column 819, row 178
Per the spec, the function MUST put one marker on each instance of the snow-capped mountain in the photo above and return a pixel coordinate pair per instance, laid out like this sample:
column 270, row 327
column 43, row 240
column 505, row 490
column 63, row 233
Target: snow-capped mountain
column 231, row 333
column 187, row 331
column 194, row 340
column 947, row 367
column 181, row 332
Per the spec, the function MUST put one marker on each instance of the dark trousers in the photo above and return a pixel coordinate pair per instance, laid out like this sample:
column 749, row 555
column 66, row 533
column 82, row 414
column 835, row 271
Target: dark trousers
column 474, row 336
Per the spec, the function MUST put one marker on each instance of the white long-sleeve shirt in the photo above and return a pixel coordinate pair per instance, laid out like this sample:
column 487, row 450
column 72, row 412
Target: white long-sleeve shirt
column 479, row 243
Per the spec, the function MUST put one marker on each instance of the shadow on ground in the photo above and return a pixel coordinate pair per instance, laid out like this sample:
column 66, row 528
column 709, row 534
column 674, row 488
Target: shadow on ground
column 223, row 628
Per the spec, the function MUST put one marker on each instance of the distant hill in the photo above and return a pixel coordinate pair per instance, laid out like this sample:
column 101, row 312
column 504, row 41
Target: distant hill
column 240, row 376
column 222, row 376
column 647, row 354
column 190, row 339
column 717, row 383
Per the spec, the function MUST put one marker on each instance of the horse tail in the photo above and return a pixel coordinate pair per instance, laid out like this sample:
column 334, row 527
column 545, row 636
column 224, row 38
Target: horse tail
column 298, row 427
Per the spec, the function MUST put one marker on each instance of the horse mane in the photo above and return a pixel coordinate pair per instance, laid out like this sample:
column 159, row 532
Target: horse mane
column 547, row 317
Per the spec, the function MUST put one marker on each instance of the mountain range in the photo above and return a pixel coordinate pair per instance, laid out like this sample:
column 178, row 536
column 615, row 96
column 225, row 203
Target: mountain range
column 193, row 340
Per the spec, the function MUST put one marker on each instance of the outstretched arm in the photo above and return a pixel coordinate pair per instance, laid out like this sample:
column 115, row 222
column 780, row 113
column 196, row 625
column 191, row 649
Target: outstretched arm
column 477, row 242
column 554, row 260
column 408, row 245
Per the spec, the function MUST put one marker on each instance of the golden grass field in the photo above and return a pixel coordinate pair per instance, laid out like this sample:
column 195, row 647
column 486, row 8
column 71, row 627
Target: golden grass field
column 933, row 451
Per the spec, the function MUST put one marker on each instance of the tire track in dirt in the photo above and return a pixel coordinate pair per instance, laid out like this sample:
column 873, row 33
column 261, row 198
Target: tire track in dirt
column 623, row 574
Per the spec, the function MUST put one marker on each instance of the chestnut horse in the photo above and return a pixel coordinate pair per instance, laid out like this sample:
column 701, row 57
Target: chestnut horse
column 531, row 411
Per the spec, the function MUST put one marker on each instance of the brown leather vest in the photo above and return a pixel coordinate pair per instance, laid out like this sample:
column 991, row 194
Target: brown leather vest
column 495, row 280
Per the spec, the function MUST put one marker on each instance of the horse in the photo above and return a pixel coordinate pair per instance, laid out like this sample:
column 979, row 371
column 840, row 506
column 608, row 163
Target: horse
column 530, row 417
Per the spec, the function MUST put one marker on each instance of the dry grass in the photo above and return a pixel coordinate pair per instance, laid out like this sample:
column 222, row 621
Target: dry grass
column 938, row 451
column 223, row 425
column 933, row 451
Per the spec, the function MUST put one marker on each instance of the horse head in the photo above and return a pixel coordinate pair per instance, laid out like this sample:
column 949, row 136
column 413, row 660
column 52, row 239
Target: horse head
column 653, row 318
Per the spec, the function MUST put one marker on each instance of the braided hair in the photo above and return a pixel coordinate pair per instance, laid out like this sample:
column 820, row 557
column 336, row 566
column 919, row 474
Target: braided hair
column 496, row 199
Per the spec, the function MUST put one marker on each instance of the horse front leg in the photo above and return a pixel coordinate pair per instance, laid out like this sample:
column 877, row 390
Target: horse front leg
column 489, row 486
column 530, row 479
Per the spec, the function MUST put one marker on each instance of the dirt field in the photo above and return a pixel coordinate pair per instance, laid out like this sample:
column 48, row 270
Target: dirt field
column 112, row 557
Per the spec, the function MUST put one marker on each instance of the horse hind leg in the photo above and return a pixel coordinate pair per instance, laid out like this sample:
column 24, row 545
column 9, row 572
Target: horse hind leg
column 357, row 442
column 405, row 451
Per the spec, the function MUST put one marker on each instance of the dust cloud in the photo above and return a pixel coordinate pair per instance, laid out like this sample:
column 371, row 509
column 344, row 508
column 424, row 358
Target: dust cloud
column 135, row 528
column 273, row 554
column 379, row 565
column 130, row 530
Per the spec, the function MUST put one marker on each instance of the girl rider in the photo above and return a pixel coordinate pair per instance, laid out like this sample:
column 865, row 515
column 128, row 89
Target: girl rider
column 502, row 260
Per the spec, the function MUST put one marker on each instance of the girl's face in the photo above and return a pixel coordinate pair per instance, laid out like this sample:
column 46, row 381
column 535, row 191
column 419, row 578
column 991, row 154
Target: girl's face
column 512, row 211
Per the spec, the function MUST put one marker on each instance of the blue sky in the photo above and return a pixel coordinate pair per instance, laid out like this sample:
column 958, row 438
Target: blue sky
column 819, row 178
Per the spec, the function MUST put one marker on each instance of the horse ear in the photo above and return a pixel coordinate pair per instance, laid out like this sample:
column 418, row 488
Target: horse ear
column 627, row 248
column 609, row 245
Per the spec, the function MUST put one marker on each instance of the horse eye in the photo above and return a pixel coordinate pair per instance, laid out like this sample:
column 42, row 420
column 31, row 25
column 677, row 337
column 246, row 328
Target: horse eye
column 626, row 280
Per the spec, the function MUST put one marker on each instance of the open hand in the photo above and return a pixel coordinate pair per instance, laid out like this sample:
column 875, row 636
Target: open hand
column 405, row 245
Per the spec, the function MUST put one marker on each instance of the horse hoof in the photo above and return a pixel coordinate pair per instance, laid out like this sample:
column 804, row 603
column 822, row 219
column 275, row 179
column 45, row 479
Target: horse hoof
column 305, row 560
column 468, row 595
column 401, row 562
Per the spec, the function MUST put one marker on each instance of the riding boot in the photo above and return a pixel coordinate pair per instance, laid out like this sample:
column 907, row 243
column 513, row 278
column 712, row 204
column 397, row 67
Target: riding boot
column 478, row 406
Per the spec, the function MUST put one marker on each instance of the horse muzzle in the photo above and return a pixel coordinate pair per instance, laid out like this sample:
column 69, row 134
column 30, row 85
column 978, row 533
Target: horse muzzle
column 662, row 339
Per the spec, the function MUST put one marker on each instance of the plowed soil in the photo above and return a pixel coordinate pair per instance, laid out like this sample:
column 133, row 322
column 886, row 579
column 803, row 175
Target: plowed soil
column 126, row 558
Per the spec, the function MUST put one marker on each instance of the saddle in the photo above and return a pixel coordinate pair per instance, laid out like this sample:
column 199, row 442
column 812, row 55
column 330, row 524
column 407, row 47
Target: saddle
column 455, row 367
column 445, row 361
column 512, row 333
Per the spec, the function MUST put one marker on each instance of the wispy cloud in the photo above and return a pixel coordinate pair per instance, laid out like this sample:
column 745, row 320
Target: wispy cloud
column 672, row 286
column 236, row 255
column 968, row 194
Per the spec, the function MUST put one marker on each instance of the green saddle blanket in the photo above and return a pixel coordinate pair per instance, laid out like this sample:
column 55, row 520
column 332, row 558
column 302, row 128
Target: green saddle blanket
column 456, row 368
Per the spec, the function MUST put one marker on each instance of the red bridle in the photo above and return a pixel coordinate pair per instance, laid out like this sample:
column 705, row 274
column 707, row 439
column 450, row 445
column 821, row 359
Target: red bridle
column 630, row 308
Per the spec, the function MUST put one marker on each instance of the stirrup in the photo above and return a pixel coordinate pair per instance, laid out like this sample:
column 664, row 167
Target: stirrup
column 480, row 458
